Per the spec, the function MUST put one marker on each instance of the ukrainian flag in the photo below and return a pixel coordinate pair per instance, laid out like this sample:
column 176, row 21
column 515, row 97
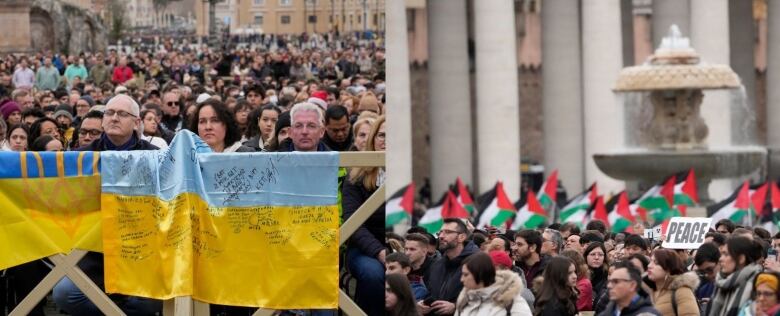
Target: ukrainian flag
column 247, row 229
column 49, row 203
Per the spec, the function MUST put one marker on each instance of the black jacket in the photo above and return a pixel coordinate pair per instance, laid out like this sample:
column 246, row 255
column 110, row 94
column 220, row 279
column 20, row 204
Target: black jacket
column 641, row 307
column 369, row 238
column 345, row 146
column 553, row 308
column 444, row 275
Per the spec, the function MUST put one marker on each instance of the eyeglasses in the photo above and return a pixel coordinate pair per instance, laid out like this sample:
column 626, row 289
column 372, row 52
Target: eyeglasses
column 616, row 281
column 447, row 231
column 122, row 114
column 92, row 132
column 173, row 103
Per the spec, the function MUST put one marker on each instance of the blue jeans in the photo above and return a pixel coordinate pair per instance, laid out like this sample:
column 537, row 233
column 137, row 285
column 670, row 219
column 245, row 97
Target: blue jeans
column 69, row 298
column 370, row 276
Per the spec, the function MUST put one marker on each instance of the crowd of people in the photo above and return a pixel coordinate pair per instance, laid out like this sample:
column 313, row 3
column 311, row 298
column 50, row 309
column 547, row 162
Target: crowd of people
column 566, row 270
column 290, row 98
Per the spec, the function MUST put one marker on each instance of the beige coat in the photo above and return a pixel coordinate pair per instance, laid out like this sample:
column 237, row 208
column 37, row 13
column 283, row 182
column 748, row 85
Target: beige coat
column 494, row 299
column 685, row 284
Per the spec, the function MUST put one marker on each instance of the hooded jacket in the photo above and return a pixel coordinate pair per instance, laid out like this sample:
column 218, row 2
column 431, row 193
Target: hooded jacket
column 641, row 307
column 683, row 286
column 444, row 275
column 496, row 299
column 732, row 291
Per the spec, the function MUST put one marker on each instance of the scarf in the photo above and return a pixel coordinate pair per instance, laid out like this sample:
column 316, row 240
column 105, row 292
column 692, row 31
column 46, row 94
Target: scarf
column 732, row 290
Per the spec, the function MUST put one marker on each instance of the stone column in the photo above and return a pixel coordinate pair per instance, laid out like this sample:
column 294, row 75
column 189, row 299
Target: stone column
column 742, row 29
column 601, row 63
column 399, row 102
column 15, row 15
column 562, row 93
column 498, row 125
column 450, row 96
column 772, row 82
column 668, row 12
column 710, row 38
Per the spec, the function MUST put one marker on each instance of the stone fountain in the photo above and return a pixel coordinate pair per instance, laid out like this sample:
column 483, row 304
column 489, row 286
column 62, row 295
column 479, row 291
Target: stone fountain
column 676, row 137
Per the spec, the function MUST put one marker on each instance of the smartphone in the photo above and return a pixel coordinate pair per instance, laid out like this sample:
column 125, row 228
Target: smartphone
column 428, row 301
column 771, row 254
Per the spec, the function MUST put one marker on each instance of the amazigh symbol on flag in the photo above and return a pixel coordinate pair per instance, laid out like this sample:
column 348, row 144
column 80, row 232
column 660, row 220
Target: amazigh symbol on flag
column 531, row 215
column 400, row 206
column 577, row 209
column 464, row 198
column 549, row 191
column 499, row 210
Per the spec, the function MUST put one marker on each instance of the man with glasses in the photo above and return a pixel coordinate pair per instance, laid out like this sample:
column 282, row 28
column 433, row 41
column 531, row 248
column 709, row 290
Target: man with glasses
column 706, row 266
column 173, row 118
column 90, row 129
column 444, row 276
column 120, row 122
column 624, row 299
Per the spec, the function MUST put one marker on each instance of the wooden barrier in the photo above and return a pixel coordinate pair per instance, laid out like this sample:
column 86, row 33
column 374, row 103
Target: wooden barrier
column 186, row 306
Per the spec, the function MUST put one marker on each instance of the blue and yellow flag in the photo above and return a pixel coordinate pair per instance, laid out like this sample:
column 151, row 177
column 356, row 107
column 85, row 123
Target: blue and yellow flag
column 49, row 203
column 250, row 229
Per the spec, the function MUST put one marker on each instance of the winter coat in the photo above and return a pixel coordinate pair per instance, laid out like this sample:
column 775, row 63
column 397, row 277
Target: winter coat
column 641, row 307
column 585, row 299
column 732, row 291
column 553, row 307
column 370, row 237
column 496, row 299
column 444, row 276
column 683, row 286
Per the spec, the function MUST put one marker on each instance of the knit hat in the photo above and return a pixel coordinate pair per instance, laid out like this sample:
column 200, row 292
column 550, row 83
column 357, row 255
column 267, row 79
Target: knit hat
column 369, row 102
column 8, row 108
column 61, row 113
column 89, row 100
column 321, row 94
column 282, row 122
column 768, row 279
column 501, row 258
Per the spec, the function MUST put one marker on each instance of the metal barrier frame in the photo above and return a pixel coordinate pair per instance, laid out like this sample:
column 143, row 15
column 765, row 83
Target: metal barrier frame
column 186, row 306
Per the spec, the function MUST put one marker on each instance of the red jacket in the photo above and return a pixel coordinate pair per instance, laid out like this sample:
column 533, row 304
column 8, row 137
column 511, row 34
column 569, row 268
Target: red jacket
column 122, row 74
column 585, row 300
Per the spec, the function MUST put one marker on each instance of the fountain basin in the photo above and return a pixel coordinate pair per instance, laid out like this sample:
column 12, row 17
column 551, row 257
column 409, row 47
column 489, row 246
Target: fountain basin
column 654, row 165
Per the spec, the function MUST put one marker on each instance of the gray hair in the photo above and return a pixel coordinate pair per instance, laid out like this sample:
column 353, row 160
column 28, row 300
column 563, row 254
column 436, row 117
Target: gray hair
column 135, row 109
column 307, row 107
column 556, row 238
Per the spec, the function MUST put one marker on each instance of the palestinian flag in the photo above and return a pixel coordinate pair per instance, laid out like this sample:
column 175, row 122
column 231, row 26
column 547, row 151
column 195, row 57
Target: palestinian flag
column 621, row 217
column 464, row 198
column 548, row 192
column 770, row 215
column 400, row 206
column 576, row 209
column 531, row 215
column 736, row 207
column 657, row 201
column 599, row 211
column 685, row 189
column 452, row 208
column 498, row 210
column 432, row 220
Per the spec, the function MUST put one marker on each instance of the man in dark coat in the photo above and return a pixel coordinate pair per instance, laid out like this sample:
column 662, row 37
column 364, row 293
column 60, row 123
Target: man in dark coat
column 624, row 284
column 444, row 275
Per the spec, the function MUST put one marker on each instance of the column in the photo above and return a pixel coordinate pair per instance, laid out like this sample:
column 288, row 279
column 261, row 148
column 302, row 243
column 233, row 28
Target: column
column 562, row 93
column 742, row 29
column 668, row 12
column 602, row 61
column 498, row 124
column 449, row 93
column 772, row 81
column 710, row 38
column 15, row 15
column 399, row 103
